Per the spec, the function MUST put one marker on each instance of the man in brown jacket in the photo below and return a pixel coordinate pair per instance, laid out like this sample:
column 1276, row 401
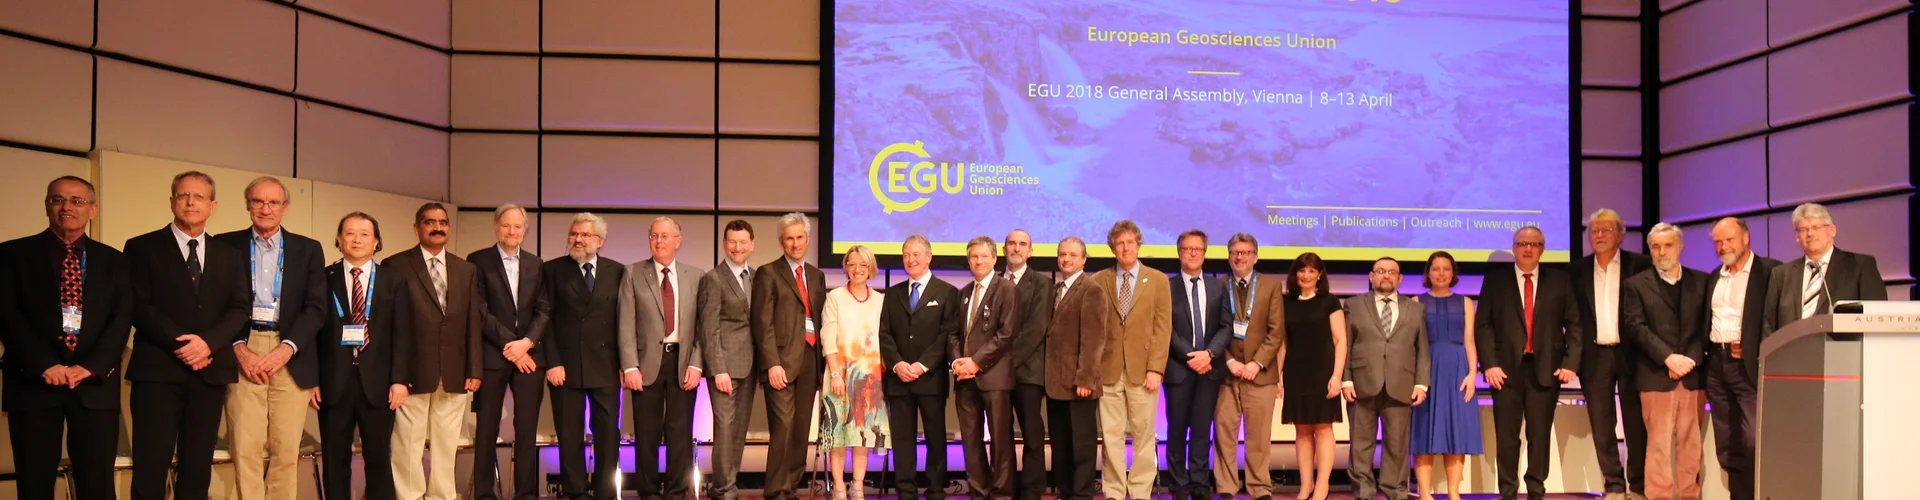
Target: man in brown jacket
column 1075, row 340
column 446, row 324
column 1138, row 329
column 1253, row 369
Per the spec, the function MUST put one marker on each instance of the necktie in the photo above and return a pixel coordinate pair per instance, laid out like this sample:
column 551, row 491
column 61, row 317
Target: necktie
column 1193, row 288
column 1526, row 300
column 806, row 302
column 70, row 289
column 666, row 298
column 1240, row 296
column 1816, row 284
column 1126, row 293
column 744, row 281
column 588, row 267
column 359, row 310
column 193, row 262
column 1386, row 315
column 973, row 311
column 439, row 283
column 913, row 298
column 1062, row 296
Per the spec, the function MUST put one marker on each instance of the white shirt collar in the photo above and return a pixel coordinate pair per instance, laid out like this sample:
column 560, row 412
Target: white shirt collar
column 1393, row 297
column 271, row 242
column 1746, row 267
column 1663, row 275
column 365, row 268
column 1135, row 270
column 794, row 265
column 1824, row 259
column 1189, row 277
column 1075, row 277
column 508, row 254
column 1019, row 274
column 657, row 266
column 582, row 266
column 985, row 283
column 430, row 255
column 1521, row 275
column 736, row 268
column 182, row 235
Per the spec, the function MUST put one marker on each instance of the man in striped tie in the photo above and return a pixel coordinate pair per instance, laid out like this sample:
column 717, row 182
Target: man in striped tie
column 1138, row 331
column 1825, row 276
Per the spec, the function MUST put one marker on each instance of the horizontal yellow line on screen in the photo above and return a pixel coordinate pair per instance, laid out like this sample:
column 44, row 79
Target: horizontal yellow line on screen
column 1405, row 209
column 1099, row 249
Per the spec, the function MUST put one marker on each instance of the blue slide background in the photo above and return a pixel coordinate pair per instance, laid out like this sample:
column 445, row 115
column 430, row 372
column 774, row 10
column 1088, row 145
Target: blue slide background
column 1477, row 133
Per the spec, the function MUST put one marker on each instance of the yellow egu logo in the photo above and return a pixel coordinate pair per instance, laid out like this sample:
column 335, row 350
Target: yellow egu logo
column 908, row 176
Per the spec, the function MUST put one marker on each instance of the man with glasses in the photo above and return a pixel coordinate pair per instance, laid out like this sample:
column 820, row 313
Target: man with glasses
column 267, row 408
column 1528, row 333
column 448, row 317
column 1388, row 333
column 1198, row 350
column 1257, row 310
column 582, row 364
column 1812, row 284
column 659, row 360
column 66, row 309
column 1609, row 358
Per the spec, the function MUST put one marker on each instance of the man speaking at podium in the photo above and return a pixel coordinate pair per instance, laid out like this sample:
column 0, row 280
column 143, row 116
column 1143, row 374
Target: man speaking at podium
column 1811, row 285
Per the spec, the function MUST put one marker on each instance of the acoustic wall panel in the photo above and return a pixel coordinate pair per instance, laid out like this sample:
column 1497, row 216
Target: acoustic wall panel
column 767, row 29
column 1866, row 153
column 1610, row 7
column 1609, row 52
column 1792, row 20
column 247, row 40
column 28, row 173
column 49, row 100
column 139, row 186
column 496, row 92
column 606, row 94
column 359, row 68
column 474, row 230
column 626, row 240
column 420, row 20
column 1669, row 5
column 769, row 174
column 1610, row 122
column 1714, row 106
column 627, row 172
column 500, row 25
column 70, row 22
column 1879, row 227
column 662, row 27
column 1844, row 71
column 493, row 169
column 770, row 99
column 157, row 113
column 1611, row 184
column 1711, row 32
column 353, row 149
column 1716, row 181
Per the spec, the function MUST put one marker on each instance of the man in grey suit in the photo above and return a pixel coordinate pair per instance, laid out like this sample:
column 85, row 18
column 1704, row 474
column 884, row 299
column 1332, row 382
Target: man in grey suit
column 1388, row 331
column 660, row 362
column 1812, row 284
column 725, row 341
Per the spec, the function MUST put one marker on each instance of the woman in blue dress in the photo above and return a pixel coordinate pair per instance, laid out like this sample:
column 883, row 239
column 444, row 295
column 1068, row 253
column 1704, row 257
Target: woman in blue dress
column 1449, row 424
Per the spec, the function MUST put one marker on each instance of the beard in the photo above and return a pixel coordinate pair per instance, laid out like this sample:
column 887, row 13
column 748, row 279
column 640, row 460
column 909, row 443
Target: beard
column 1667, row 265
column 580, row 254
column 1729, row 258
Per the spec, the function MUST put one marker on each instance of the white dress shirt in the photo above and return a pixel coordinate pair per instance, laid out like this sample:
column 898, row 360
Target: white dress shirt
column 510, row 260
column 1520, row 281
column 1068, row 284
column 366, row 270
column 1730, row 302
column 1606, row 301
column 673, row 279
column 1810, row 308
column 1015, row 275
column 180, row 238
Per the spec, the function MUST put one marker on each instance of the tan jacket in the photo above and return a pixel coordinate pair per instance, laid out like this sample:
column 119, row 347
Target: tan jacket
column 1266, row 328
column 1137, row 338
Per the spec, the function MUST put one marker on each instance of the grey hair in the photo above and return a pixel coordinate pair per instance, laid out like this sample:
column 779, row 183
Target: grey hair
column 268, row 179
column 796, row 219
column 1606, row 215
column 860, row 251
column 669, row 220
column 911, row 239
column 599, row 224
column 1665, row 227
column 1811, row 211
column 502, row 210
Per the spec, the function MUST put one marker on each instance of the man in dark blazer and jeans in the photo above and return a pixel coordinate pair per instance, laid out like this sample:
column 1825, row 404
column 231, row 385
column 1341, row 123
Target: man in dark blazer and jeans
column 1528, row 333
column 1608, row 358
column 916, row 319
column 1196, row 365
column 516, row 321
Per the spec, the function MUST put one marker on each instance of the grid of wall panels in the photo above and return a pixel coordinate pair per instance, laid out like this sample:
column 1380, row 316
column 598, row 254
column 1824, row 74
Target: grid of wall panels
column 1612, row 112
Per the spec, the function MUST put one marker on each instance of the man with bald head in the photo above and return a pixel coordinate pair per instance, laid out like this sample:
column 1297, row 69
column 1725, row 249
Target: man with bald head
column 1528, row 334
column 1736, row 294
column 660, row 362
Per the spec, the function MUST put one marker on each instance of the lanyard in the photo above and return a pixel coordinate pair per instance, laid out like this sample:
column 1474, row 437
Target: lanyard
column 253, row 251
column 337, row 310
column 1253, row 290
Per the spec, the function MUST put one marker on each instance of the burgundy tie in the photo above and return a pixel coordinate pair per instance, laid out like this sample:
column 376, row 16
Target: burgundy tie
column 800, row 277
column 359, row 307
column 70, row 292
column 666, row 297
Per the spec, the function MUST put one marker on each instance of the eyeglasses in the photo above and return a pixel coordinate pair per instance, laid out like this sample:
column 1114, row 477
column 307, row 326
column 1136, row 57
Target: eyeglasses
column 197, row 197
column 71, row 202
column 661, row 236
column 273, row 204
column 1802, row 231
column 582, row 235
column 1242, row 253
column 1192, row 250
column 1604, row 230
column 1386, row 272
column 1529, row 244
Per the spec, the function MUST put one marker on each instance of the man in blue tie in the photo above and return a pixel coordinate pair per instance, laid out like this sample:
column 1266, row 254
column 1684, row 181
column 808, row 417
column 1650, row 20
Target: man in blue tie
column 1196, row 364
column 916, row 319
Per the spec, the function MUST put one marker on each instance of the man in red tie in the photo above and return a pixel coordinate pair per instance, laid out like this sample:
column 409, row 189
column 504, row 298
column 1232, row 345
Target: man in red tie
column 1528, row 334
column 787, row 296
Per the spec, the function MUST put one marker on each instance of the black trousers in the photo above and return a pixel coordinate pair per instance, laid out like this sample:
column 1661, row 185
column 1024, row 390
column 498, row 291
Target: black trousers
column 1608, row 371
column 338, row 419
column 91, row 437
column 908, row 415
column 490, row 403
column 664, row 412
column 1523, row 400
column 175, row 419
column 1076, row 440
column 568, row 405
column 989, row 465
column 1732, row 395
column 1029, row 403
column 1190, row 434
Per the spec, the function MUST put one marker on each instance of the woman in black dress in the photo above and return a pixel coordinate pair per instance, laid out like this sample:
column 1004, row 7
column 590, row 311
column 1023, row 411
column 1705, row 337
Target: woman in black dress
column 1310, row 366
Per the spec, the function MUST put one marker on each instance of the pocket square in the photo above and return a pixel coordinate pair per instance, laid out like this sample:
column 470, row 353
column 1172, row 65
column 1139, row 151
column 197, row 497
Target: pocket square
column 933, row 303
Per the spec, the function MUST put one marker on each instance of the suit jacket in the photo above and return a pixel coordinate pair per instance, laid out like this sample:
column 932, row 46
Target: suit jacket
column 725, row 335
column 779, row 317
column 388, row 356
column 446, row 342
column 1076, row 339
column 1630, row 264
column 1036, row 311
column 1752, row 313
column 995, row 323
column 920, row 335
column 643, row 319
column 303, row 297
column 510, row 316
column 1850, row 276
column 1660, row 326
column 1219, row 330
column 1500, row 325
column 585, row 332
column 30, row 320
column 1378, row 362
column 1266, row 330
column 167, row 305
column 1137, row 339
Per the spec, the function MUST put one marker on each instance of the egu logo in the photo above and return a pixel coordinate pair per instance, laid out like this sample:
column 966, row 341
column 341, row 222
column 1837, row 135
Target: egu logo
column 910, row 176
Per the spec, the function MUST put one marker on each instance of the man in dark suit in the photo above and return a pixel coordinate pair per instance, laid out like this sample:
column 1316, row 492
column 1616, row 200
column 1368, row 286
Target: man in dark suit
column 659, row 360
column 448, row 318
column 190, row 304
column 1202, row 326
column 364, row 352
column 1665, row 310
column 516, row 321
column 726, row 342
column 583, row 365
column 982, row 377
column 1608, row 360
column 1824, row 276
column 1029, row 359
column 917, row 318
column 1388, row 333
column 788, row 295
column 1076, row 338
column 1528, row 333
column 1736, row 300
column 66, row 309
column 267, row 408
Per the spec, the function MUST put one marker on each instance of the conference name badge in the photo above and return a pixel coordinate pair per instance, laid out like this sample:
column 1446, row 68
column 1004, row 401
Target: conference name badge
column 810, row 325
column 1239, row 330
column 353, row 335
column 266, row 314
column 70, row 320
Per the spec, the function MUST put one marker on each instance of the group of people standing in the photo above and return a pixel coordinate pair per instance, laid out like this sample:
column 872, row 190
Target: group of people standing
column 252, row 325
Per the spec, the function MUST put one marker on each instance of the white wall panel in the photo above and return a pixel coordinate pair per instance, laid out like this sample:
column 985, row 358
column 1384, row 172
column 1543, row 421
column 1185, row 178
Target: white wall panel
column 770, row 99
column 666, row 27
column 369, row 152
column 504, row 25
column 27, row 173
column 168, row 115
column 604, row 94
column 747, row 165
column 627, row 172
column 47, row 99
column 420, row 20
column 496, row 92
column 770, row 29
column 494, row 169
column 247, row 40
column 356, row 67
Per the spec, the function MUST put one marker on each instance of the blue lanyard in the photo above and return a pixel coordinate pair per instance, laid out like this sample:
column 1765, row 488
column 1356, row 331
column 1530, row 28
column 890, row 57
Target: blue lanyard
column 1253, row 290
column 253, row 250
column 337, row 310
